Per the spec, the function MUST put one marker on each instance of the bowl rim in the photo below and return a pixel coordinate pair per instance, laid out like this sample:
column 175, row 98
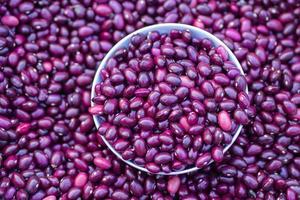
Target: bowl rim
column 162, row 28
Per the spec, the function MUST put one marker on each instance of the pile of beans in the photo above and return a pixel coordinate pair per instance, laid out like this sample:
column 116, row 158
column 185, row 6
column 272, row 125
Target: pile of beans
column 169, row 101
column 49, row 147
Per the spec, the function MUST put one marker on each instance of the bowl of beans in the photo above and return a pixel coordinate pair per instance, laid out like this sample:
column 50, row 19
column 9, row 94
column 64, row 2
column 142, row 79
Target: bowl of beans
column 169, row 99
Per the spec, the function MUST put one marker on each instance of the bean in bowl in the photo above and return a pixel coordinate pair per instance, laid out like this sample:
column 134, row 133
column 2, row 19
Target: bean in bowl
column 170, row 102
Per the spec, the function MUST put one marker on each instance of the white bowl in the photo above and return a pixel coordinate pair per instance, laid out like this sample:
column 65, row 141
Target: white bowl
column 161, row 28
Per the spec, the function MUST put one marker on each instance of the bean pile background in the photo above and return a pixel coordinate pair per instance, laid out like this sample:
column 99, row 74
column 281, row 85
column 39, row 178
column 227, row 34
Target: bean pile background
column 49, row 52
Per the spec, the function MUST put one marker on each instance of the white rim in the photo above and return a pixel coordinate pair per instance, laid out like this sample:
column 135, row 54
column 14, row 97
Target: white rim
column 162, row 28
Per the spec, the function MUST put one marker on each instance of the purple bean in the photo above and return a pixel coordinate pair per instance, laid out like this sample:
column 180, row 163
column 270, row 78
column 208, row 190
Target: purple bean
column 103, row 10
column 101, row 191
column 146, row 123
column 5, row 122
column 203, row 160
column 74, row 193
column 32, row 185
column 162, row 158
column 233, row 34
column 168, row 99
column 140, row 147
column 217, row 154
column 18, row 180
column 250, row 181
column 80, row 180
column 224, row 121
column 119, row 194
column 293, row 130
column 173, row 184
column 10, row 20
